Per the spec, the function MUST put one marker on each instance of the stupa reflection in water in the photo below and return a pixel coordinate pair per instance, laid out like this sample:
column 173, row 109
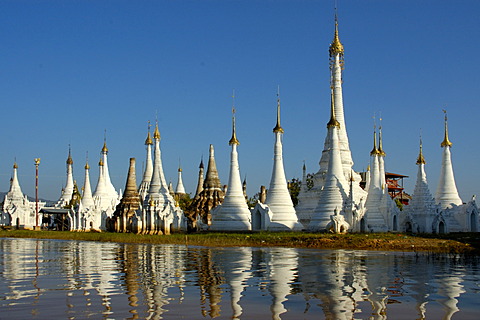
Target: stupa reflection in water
column 86, row 279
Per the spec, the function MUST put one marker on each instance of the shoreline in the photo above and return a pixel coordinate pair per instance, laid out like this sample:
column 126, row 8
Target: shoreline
column 456, row 243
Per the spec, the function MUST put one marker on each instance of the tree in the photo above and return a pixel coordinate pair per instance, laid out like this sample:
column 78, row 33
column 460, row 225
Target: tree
column 294, row 187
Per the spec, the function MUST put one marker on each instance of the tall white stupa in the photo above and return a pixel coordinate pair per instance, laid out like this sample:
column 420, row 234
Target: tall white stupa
column 309, row 195
column 283, row 215
column 375, row 218
column 233, row 214
column 147, row 174
column 447, row 194
column 67, row 191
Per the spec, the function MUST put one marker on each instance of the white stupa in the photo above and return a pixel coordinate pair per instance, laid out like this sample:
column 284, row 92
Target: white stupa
column 375, row 219
column 159, row 213
column 309, row 195
column 87, row 216
column 105, row 196
column 447, row 194
column 16, row 209
column 147, row 174
column 87, row 197
column 334, row 192
column 283, row 216
column 233, row 214
column 422, row 207
column 67, row 191
column 180, row 189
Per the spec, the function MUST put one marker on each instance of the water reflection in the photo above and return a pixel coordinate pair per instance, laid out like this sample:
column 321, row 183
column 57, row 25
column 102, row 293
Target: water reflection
column 57, row 279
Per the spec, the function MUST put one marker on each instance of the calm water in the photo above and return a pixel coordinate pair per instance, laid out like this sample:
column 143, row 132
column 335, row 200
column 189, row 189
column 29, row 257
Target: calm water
column 48, row 279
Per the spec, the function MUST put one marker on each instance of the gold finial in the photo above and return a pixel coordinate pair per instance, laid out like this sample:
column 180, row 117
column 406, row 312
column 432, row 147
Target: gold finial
column 336, row 46
column 100, row 163
column 234, row 139
column 380, row 143
column 278, row 127
column 87, row 166
column 421, row 158
column 179, row 165
column 15, row 166
column 446, row 142
column 69, row 159
column 333, row 121
column 374, row 151
column 156, row 133
column 37, row 161
column 148, row 141
column 105, row 149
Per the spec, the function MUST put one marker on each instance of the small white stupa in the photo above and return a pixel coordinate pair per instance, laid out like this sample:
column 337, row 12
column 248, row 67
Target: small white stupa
column 422, row 210
column 447, row 194
column 105, row 196
column 180, row 189
column 233, row 214
column 86, row 217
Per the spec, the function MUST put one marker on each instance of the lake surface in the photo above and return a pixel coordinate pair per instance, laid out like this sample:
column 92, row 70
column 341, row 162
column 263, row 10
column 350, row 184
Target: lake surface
column 51, row 279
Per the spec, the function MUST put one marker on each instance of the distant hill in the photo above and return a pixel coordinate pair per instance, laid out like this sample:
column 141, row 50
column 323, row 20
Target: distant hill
column 48, row 202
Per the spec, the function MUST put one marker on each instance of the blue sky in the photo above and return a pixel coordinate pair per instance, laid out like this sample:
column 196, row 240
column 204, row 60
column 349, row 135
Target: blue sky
column 72, row 69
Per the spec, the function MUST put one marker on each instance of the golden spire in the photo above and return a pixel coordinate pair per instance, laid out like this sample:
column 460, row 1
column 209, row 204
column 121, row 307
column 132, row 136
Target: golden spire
column 148, row 141
column 87, row 166
column 374, row 151
column 69, row 159
column 336, row 46
column 333, row 121
column 105, row 149
column 234, row 139
column 380, row 144
column 179, row 165
column 446, row 142
column 156, row 133
column 15, row 166
column 421, row 159
column 100, row 163
column 278, row 127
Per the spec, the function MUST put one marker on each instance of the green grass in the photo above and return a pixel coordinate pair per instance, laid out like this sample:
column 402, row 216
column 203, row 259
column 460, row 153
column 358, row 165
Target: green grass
column 450, row 243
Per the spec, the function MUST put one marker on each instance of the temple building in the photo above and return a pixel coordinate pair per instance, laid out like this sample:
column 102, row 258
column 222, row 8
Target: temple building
column 16, row 210
column 446, row 212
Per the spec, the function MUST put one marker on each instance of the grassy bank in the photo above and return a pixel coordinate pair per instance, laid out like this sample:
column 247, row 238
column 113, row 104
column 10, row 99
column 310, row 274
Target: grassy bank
column 450, row 243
